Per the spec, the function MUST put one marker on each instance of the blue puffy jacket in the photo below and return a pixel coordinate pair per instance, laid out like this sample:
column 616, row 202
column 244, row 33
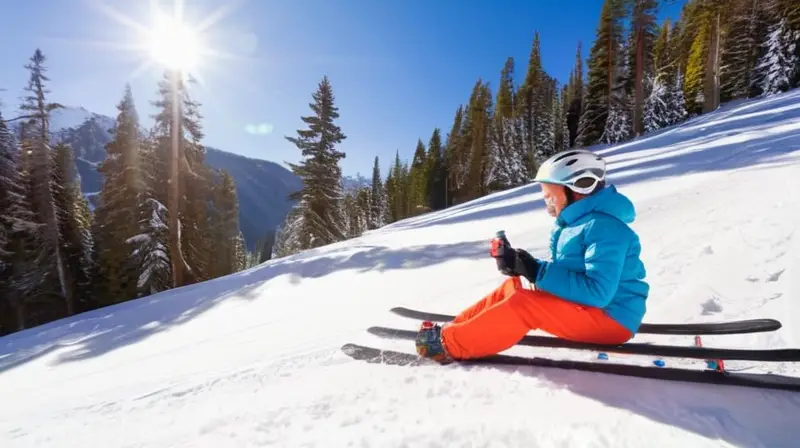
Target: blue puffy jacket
column 595, row 258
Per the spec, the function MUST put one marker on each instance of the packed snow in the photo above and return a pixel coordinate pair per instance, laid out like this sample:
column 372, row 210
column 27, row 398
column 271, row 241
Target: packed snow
column 254, row 359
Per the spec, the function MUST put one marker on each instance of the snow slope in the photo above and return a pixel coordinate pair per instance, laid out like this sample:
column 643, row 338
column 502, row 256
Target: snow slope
column 253, row 359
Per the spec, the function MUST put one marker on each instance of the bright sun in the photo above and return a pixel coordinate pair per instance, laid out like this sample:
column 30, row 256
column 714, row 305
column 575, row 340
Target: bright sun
column 174, row 44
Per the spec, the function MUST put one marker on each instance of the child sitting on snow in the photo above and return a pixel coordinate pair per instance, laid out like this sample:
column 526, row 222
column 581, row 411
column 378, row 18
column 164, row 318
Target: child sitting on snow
column 593, row 289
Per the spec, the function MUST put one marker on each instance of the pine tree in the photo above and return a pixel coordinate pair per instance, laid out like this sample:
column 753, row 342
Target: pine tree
column 363, row 203
column 225, row 228
column 240, row 254
column 317, row 218
column 741, row 48
column 662, row 60
column 575, row 96
column 116, row 215
column 696, row 64
column 185, row 189
column 532, row 107
column 419, row 177
column 560, row 131
column 397, row 190
column 453, row 156
column 50, row 255
column 150, row 246
column 643, row 36
column 502, row 151
column 618, row 126
column 544, row 123
column 378, row 198
column 74, row 221
column 437, row 174
column 656, row 107
column 775, row 69
column 677, row 104
column 479, row 119
column 604, row 62
column 564, row 143
column 196, row 227
column 18, row 231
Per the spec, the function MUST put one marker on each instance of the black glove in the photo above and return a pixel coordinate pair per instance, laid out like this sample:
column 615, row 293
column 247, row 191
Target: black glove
column 516, row 262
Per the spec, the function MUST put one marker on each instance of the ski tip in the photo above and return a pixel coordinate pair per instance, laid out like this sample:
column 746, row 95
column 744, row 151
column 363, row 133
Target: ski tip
column 350, row 349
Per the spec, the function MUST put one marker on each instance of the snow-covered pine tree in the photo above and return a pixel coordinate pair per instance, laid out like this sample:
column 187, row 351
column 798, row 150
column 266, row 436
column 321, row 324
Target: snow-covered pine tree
column 18, row 230
column 677, row 103
column 544, row 121
column 775, row 69
column 740, row 49
column 50, row 258
column 618, row 126
column 75, row 220
column 502, row 152
column 564, row 143
column 289, row 238
column 10, row 191
column 150, row 247
column 656, row 107
column 317, row 216
column 601, row 80
column 240, row 253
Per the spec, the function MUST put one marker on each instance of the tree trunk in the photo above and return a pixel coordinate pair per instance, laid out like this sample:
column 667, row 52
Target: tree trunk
column 711, row 92
column 173, row 201
column 19, row 310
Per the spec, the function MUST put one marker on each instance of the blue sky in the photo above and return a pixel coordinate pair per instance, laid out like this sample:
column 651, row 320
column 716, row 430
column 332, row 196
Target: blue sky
column 398, row 68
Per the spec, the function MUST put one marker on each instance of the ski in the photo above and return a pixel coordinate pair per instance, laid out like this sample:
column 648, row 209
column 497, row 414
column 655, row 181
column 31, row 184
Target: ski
column 732, row 327
column 763, row 381
column 771, row 355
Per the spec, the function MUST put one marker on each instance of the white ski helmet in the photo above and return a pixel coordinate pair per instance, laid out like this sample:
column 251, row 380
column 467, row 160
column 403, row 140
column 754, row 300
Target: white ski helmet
column 568, row 167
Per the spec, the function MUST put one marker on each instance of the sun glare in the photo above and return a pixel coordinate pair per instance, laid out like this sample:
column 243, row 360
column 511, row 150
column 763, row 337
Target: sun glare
column 174, row 44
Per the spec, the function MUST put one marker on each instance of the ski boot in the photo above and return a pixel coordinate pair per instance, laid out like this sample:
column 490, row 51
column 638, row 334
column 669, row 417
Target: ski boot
column 430, row 345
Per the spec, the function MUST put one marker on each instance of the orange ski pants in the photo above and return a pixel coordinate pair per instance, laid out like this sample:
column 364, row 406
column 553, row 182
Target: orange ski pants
column 504, row 316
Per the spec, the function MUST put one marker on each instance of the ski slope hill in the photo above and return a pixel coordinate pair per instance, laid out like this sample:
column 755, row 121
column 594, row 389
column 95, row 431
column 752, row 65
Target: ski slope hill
column 253, row 359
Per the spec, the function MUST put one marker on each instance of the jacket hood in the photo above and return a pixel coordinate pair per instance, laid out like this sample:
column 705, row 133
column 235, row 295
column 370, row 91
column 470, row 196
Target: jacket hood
column 608, row 201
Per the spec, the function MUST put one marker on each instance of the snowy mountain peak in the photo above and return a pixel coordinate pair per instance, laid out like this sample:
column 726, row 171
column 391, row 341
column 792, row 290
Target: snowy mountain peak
column 73, row 117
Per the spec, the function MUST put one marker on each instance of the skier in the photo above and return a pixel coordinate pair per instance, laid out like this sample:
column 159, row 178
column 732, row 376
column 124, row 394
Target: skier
column 593, row 289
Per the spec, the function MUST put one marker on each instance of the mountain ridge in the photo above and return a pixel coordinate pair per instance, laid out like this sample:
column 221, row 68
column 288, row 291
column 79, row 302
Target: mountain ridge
column 262, row 186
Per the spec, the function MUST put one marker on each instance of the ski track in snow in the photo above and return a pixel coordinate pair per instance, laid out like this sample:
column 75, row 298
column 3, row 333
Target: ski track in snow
column 253, row 359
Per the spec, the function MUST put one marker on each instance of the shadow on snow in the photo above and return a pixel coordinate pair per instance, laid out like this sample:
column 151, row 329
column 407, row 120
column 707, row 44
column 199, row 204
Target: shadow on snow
column 740, row 416
column 101, row 331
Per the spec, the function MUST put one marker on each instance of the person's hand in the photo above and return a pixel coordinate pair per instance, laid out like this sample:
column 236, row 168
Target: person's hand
column 516, row 262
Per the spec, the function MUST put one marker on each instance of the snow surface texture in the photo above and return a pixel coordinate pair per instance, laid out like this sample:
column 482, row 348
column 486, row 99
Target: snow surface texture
column 253, row 359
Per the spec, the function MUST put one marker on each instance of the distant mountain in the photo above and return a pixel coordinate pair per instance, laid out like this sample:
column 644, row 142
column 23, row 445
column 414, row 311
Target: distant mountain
column 262, row 186
column 355, row 182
